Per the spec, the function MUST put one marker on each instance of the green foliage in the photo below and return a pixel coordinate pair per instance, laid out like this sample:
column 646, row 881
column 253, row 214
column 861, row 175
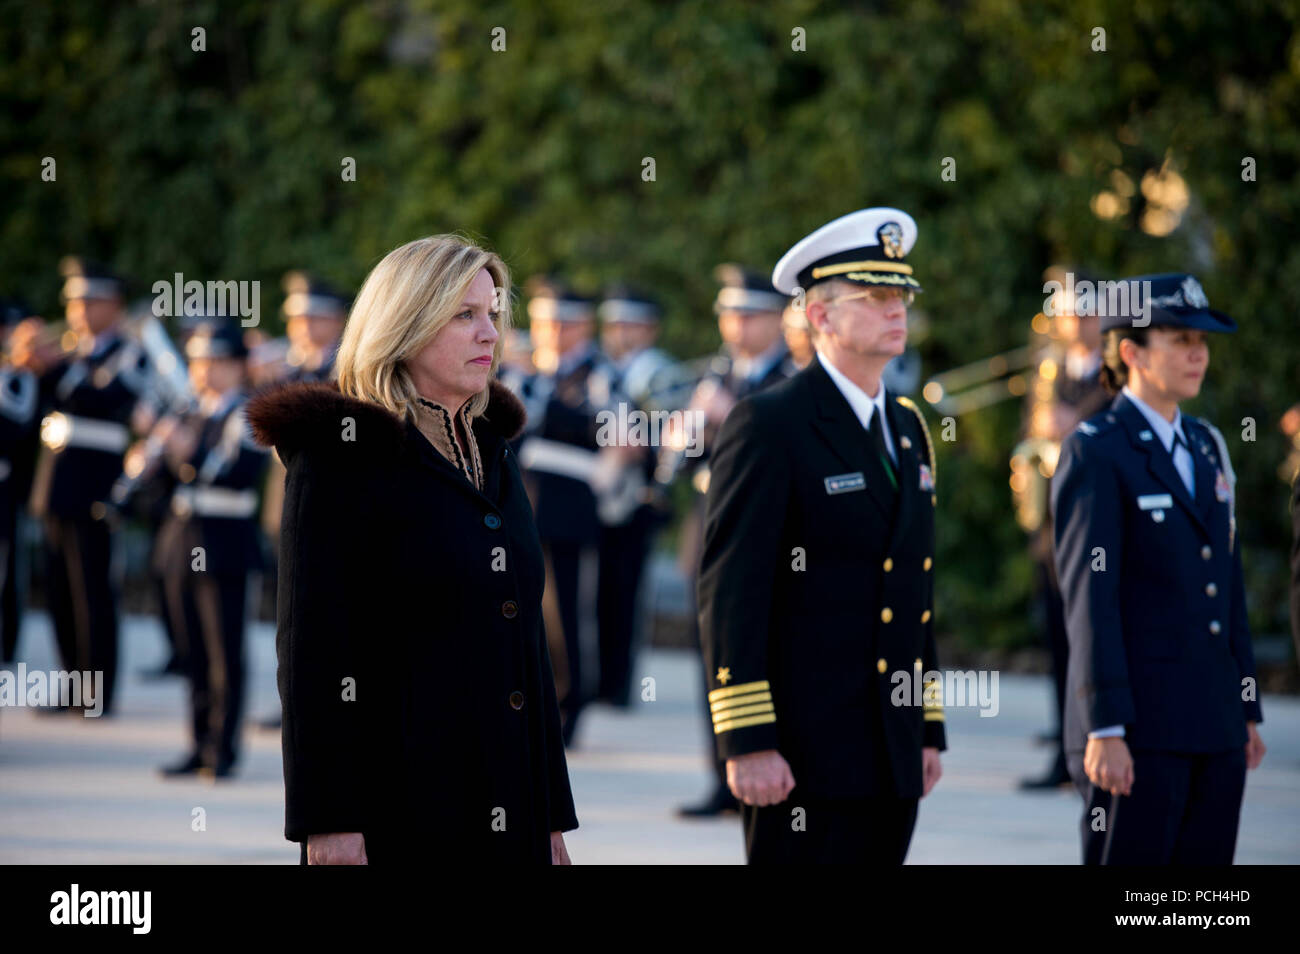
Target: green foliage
column 226, row 164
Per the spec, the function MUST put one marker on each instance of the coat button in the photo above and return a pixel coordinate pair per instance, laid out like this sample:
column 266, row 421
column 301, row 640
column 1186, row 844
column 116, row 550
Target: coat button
column 925, row 617
column 1211, row 589
column 1206, row 552
column 881, row 665
column 492, row 521
column 889, row 564
column 917, row 664
column 516, row 701
column 1215, row 627
column 886, row 615
column 509, row 609
column 927, row 564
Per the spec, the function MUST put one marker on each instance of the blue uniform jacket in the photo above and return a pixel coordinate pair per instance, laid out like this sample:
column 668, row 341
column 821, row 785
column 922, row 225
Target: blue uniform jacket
column 1155, row 605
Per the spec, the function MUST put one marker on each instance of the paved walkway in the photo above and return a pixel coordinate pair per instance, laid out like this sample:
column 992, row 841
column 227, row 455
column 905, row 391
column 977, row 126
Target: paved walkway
column 80, row 791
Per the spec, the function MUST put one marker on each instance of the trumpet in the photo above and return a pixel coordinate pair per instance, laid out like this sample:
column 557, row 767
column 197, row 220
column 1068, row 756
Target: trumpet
column 981, row 383
column 36, row 344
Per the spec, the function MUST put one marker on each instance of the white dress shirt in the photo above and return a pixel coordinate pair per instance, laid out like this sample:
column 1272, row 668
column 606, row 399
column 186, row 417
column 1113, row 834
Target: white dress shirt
column 863, row 405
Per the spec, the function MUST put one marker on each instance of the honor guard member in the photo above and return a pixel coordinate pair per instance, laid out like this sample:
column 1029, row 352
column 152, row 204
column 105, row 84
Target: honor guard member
column 559, row 454
column 209, row 544
column 1066, row 389
column 817, row 583
column 754, row 357
column 629, row 327
column 1162, row 703
column 88, row 396
column 17, row 444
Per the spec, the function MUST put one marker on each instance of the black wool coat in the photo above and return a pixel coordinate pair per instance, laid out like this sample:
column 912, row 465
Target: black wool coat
column 419, row 706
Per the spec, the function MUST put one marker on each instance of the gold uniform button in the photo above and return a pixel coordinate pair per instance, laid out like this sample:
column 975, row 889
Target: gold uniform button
column 917, row 664
column 934, row 500
column 928, row 563
column 1211, row 589
column 886, row 615
column 881, row 665
column 925, row 617
column 1215, row 628
column 1206, row 553
column 889, row 564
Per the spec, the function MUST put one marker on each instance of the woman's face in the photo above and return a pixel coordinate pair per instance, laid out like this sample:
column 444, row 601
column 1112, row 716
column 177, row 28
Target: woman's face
column 457, row 363
column 1173, row 363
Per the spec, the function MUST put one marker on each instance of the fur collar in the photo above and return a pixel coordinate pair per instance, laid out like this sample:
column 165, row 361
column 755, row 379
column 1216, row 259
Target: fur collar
column 299, row 414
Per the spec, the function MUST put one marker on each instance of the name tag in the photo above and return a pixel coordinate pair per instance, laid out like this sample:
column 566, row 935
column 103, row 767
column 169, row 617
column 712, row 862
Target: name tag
column 845, row 483
column 1155, row 502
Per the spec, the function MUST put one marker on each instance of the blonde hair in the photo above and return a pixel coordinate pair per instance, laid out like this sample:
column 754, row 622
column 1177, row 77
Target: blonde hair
column 407, row 298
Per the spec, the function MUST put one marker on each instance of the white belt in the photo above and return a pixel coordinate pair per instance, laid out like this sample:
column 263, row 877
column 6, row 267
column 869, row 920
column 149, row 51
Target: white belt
column 60, row 430
column 554, row 457
column 214, row 502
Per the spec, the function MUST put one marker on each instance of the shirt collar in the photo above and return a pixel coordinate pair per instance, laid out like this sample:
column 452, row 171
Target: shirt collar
column 862, row 403
column 1165, row 430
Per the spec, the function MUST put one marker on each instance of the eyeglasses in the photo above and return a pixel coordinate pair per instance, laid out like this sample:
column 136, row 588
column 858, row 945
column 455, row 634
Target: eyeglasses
column 880, row 296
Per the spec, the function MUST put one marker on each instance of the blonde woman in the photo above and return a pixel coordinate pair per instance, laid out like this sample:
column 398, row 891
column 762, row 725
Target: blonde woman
column 420, row 720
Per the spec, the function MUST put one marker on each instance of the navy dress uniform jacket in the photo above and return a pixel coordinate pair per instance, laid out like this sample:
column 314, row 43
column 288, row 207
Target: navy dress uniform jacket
column 801, row 656
column 398, row 573
column 1159, row 639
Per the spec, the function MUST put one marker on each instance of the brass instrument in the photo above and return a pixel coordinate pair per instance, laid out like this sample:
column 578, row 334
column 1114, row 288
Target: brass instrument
column 973, row 386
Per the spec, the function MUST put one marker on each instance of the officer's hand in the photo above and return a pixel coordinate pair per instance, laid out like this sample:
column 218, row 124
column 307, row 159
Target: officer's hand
column 760, row 778
column 559, row 853
column 1109, row 765
column 337, row 849
column 931, row 770
column 1254, row 747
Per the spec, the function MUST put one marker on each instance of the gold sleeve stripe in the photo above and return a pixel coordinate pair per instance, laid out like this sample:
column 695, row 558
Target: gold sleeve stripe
column 925, row 429
column 722, row 727
column 740, row 701
column 935, row 715
column 738, row 690
column 742, row 711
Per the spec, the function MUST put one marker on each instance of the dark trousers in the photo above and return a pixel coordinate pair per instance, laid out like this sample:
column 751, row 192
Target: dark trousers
column 1184, row 810
column 623, row 553
column 82, row 598
column 563, row 565
column 801, row 830
column 208, row 613
column 10, row 613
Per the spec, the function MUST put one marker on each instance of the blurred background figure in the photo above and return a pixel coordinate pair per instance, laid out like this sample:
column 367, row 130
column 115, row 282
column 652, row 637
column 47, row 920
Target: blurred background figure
column 753, row 357
column 629, row 329
column 558, row 451
column 798, row 335
column 209, row 544
column 17, row 454
column 1065, row 389
column 90, row 382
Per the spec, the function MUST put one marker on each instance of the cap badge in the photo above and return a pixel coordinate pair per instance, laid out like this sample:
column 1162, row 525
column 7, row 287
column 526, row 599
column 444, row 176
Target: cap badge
column 1193, row 294
column 890, row 236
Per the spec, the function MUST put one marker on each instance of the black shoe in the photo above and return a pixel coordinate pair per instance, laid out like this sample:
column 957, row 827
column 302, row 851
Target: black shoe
column 270, row 723
column 1047, row 738
column 721, row 802
column 1056, row 776
column 56, row 710
column 189, row 766
column 223, row 769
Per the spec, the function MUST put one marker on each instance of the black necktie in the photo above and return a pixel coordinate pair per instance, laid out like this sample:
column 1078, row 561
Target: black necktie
column 876, row 437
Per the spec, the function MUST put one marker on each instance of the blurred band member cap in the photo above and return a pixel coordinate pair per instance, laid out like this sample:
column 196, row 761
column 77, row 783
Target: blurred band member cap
column 216, row 339
column 83, row 278
column 867, row 247
column 744, row 289
column 305, row 294
column 1171, row 300
column 622, row 303
column 551, row 299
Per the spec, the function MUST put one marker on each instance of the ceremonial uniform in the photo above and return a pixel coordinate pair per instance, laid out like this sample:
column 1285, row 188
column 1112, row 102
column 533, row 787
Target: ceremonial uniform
column 628, row 525
column 816, row 592
column 17, row 433
column 206, row 550
column 89, row 398
column 560, row 460
column 1160, row 647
